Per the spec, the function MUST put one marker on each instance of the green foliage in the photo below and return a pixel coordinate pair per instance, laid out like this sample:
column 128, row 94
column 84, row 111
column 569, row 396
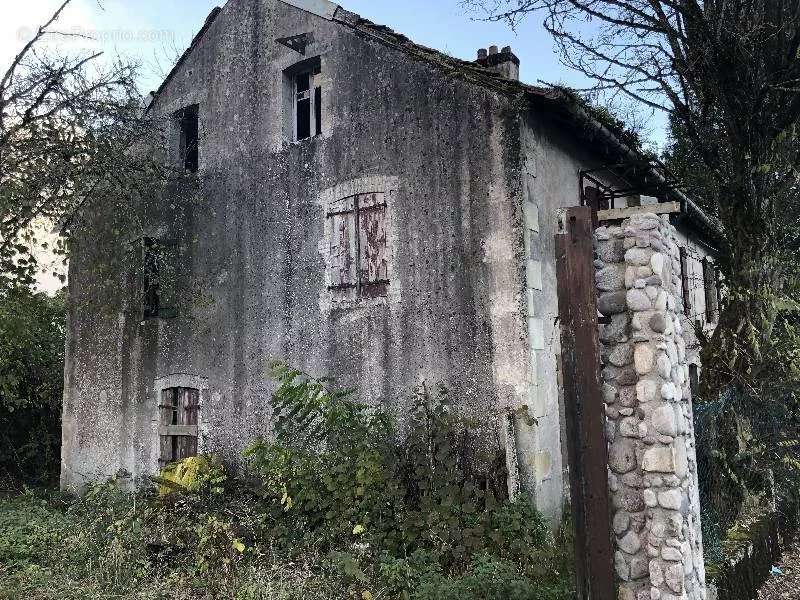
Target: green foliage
column 31, row 383
column 341, row 511
column 335, row 465
column 190, row 475
column 423, row 507
column 486, row 578
column 327, row 462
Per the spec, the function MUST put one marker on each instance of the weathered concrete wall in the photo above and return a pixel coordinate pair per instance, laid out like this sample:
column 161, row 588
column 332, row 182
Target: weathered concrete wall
column 653, row 468
column 251, row 266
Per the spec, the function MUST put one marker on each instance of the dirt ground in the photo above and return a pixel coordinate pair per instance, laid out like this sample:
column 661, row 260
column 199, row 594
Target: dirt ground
column 787, row 585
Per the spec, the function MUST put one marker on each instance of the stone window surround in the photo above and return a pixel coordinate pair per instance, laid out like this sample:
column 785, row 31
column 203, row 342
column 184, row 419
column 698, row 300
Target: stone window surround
column 177, row 380
column 390, row 186
column 284, row 87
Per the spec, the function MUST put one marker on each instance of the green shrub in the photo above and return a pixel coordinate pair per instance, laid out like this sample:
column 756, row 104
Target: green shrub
column 342, row 511
column 28, row 529
column 424, row 508
column 31, row 384
column 487, row 578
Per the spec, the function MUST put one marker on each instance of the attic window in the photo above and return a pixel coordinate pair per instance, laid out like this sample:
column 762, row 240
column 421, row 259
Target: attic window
column 159, row 275
column 306, row 92
column 189, row 123
column 178, row 424
column 358, row 264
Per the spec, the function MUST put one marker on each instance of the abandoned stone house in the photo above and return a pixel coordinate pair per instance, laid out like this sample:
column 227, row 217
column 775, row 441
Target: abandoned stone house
column 376, row 211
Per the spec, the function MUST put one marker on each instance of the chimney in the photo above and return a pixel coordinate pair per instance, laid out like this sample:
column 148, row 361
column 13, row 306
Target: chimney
column 504, row 62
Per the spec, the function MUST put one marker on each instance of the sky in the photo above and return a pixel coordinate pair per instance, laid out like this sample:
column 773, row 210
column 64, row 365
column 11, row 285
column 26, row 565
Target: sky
column 151, row 31
column 155, row 32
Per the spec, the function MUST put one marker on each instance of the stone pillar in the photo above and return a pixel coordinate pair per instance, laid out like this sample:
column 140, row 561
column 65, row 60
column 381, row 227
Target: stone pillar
column 653, row 469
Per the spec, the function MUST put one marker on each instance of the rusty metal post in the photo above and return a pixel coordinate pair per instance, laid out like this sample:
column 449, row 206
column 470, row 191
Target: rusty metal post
column 583, row 404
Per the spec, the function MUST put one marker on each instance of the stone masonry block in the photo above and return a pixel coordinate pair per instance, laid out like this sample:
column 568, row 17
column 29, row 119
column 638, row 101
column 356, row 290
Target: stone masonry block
column 659, row 460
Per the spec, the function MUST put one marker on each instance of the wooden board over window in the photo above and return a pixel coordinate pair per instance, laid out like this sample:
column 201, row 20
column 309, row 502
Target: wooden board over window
column 343, row 269
column 358, row 261
column 374, row 269
column 178, row 427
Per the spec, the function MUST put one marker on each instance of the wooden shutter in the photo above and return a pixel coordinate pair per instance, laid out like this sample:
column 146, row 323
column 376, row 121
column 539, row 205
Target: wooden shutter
column 685, row 290
column 374, row 269
column 343, row 244
column 178, row 429
column 710, row 288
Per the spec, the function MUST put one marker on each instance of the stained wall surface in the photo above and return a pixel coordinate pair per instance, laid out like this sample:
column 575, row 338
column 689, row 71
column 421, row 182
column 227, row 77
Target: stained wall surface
column 254, row 248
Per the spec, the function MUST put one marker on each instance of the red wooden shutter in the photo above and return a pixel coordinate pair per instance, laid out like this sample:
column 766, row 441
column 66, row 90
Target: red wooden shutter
column 373, row 266
column 186, row 445
column 169, row 416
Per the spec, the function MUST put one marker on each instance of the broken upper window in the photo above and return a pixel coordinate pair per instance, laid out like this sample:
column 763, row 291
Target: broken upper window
column 358, row 256
column 178, row 424
column 189, row 125
column 159, row 278
column 306, row 88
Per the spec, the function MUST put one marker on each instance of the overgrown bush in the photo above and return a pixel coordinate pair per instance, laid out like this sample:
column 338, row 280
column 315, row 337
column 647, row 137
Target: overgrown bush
column 335, row 508
column 427, row 506
column 31, row 384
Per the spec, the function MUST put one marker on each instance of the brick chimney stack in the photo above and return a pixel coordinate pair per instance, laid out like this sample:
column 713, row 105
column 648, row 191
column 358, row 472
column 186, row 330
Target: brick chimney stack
column 504, row 62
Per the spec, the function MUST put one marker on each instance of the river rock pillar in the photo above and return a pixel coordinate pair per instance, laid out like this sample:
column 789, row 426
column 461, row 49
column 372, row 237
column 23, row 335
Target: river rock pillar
column 649, row 426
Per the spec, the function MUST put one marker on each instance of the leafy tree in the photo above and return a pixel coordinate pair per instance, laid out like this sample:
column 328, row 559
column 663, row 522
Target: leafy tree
column 727, row 74
column 69, row 129
column 31, row 383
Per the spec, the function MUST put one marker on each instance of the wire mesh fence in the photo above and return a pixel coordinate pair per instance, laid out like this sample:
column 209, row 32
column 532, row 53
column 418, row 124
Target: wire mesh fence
column 747, row 460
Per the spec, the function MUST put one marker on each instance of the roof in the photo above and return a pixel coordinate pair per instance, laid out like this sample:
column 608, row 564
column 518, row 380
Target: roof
column 564, row 106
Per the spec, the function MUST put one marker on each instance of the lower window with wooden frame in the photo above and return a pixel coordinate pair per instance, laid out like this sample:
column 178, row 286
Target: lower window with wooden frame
column 178, row 428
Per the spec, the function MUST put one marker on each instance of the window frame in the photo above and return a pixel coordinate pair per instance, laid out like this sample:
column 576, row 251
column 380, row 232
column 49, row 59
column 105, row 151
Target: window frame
column 189, row 156
column 685, row 289
column 153, row 252
column 311, row 67
column 711, row 290
column 178, row 429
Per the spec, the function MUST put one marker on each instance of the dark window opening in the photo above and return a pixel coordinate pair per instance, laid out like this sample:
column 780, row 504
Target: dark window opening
column 358, row 246
column 318, row 109
column 308, row 102
column 189, row 121
column 159, row 275
column 178, row 423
